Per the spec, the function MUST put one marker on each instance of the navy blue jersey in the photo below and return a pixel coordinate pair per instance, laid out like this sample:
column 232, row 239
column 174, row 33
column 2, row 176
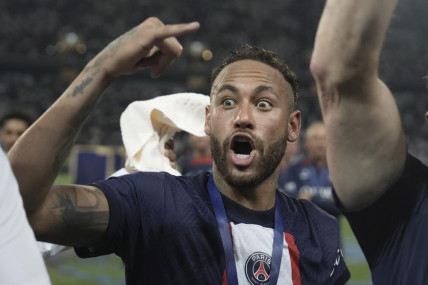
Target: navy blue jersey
column 164, row 229
column 304, row 178
column 393, row 231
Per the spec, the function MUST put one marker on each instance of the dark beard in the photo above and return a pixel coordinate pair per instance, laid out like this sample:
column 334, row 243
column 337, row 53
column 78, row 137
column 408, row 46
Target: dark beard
column 269, row 161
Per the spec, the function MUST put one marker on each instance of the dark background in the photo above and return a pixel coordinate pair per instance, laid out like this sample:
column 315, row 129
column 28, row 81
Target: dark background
column 45, row 43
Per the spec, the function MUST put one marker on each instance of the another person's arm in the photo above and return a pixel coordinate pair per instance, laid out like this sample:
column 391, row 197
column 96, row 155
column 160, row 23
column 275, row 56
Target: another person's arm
column 365, row 143
column 20, row 262
column 78, row 215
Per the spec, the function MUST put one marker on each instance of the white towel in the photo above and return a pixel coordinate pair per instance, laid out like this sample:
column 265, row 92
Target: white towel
column 147, row 125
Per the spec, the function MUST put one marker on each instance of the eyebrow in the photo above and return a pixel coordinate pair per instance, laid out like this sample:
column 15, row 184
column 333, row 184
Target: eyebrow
column 228, row 87
column 259, row 89
column 264, row 88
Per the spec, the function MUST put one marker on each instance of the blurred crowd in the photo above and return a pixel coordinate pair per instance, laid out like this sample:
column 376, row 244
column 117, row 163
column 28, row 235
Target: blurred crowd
column 45, row 43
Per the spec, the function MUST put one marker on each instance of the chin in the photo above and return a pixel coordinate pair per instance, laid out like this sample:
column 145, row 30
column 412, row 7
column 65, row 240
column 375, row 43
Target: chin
column 260, row 169
column 243, row 178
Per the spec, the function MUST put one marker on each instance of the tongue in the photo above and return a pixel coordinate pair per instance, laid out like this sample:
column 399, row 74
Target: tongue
column 240, row 159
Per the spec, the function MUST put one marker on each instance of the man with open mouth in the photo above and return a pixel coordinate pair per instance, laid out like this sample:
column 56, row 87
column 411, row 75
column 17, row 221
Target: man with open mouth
column 226, row 227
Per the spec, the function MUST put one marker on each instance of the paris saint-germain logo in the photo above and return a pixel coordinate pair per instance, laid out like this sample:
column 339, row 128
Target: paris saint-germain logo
column 257, row 268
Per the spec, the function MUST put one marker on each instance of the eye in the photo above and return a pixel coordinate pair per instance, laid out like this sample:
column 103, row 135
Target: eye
column 264, row 105
column 228, row 103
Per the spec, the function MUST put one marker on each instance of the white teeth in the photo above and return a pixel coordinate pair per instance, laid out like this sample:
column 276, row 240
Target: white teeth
column 242, row 155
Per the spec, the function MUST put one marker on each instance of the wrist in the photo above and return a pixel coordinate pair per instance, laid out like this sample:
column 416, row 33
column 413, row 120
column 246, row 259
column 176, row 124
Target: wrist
column 97, row 67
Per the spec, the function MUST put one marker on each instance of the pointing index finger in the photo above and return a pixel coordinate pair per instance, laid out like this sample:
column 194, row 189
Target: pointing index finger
column 175, row 30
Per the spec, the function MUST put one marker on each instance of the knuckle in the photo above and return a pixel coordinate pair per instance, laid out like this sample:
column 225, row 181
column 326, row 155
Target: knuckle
column 154, row 21
column 178, row 52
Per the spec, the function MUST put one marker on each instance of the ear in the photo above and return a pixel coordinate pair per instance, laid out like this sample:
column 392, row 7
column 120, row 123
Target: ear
column 207, row 126
column 294, row 121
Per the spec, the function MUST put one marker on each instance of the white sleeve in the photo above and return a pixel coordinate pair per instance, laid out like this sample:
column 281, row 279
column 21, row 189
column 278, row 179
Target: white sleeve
column 50, row 249
column 120, row 172
column 20, row 260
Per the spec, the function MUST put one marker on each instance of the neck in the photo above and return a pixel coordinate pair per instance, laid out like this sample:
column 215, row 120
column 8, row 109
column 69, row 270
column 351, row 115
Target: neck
column 319, row 163
column 259, row 197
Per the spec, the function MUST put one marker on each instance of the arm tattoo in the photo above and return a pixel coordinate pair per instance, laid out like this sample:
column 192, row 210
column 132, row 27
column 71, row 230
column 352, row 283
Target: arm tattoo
column 79, row 89
column 80, row 208
column 62, row 151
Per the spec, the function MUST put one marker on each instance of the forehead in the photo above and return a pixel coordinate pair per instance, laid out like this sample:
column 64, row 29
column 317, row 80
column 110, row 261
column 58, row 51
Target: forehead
column 251, row 74
column 15, row 123
column 315, row 130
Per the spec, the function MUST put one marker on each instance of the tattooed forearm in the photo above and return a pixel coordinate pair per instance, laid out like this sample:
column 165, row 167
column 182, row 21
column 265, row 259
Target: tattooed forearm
column 79, row 89
column 63, row 151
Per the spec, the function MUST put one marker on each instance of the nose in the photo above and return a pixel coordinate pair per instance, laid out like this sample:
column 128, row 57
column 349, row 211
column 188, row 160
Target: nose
column 244, row 119
column 13, row 138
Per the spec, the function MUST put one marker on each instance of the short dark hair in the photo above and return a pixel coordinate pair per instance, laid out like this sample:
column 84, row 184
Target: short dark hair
column 262, row 55
column 18, row 115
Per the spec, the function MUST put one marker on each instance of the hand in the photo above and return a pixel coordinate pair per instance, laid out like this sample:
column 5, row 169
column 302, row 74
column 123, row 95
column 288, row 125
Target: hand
column 169, row 152
column 150, row 44
column 305, row 196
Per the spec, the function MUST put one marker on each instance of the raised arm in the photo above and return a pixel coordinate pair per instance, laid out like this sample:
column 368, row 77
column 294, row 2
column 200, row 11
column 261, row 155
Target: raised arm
column 365, row 142
column 78, row 215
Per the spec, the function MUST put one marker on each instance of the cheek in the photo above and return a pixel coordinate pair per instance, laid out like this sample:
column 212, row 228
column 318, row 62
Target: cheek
column 276, row 122
column 221, row 122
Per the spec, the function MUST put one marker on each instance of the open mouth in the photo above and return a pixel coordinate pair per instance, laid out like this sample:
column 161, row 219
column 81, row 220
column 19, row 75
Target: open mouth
column 242, row 146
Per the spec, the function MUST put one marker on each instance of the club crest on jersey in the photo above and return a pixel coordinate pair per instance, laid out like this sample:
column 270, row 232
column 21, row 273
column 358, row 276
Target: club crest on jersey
column 257, row 268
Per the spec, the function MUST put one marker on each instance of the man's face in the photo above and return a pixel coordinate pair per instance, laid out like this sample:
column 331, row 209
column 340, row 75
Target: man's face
column 11, row 131
column 249, row 122
column 315, row 143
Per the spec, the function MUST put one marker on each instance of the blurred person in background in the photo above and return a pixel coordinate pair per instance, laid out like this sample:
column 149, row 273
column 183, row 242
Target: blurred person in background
column 12, row 125
column 309, row 178
column 380, row 187
column 199, row 158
